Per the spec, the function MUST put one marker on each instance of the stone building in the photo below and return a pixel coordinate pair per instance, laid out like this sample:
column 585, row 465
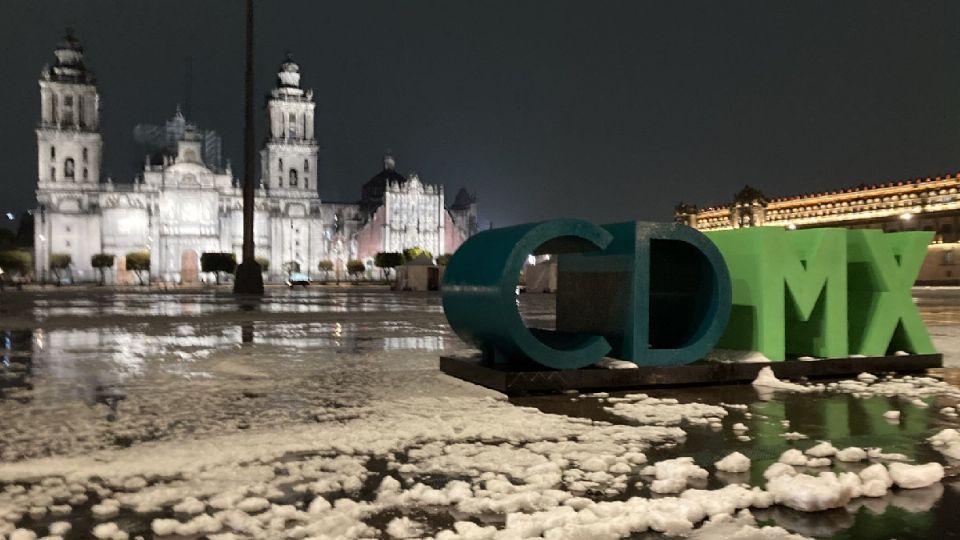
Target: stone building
column 922, row 204
column 181, row 205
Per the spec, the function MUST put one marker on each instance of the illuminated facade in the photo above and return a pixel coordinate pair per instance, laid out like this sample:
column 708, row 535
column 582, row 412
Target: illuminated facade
column 182, row 205
column 923, row 204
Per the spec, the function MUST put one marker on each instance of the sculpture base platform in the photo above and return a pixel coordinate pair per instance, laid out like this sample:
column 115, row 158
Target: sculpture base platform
column 533, row 379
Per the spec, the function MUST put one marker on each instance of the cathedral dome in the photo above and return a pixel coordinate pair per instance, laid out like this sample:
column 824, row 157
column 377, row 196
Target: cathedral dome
column 69, row 66
column 289, row 74
column 371, row 196
column 463, row 200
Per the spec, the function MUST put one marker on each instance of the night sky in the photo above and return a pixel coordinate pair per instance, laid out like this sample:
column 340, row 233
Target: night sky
column 603, row 110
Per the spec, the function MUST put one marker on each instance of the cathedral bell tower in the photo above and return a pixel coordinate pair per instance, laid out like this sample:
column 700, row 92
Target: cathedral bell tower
column 289, row 158
column 69, row 143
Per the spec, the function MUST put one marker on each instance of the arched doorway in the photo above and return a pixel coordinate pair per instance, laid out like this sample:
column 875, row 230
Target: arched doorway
column 189, row 266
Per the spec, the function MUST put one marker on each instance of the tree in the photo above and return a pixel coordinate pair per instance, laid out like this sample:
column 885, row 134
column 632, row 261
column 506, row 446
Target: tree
column 444, row 260
column 291, row 267
column 25, row 230
column 139, row 262
column 16, row 262
column 355, row 268
column 387, row 261
column 410, row 254
column 325, row 266
column 58, row 263
column 101, row 262
column 8, row 240
column 264, row 264
column 218, row 262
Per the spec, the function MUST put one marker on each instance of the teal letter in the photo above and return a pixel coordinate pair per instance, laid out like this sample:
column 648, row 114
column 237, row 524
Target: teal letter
column 480, row 299
column 659, row 293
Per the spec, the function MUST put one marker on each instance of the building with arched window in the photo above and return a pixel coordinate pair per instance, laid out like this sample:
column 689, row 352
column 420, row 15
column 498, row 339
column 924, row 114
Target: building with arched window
column 184, row 203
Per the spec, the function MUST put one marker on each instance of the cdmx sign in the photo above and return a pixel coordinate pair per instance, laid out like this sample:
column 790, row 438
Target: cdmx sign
column 661, row 294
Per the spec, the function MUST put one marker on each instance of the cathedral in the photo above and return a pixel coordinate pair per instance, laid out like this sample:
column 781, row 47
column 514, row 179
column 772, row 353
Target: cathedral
column 182, row 205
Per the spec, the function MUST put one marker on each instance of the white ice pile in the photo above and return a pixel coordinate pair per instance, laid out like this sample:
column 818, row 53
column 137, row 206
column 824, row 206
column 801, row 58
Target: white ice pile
column 814, row 493
column 831, row 490
column 673, row 475
column 617, row 519
column 947, row 442
column 542, row 472
column 643, row 409
column 743, row 526
column 851, row 454
column 916, row 476
column 908, row 387
column 733, row 463
column 796, row 458
column 767, row 379
column 544, row 475
column 613, row 363
column 733, row 356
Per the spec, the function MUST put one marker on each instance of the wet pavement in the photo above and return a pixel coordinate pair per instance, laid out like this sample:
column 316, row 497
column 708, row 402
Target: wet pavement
column 91, row 370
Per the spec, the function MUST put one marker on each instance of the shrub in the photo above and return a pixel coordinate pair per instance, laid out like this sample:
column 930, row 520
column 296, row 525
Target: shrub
column 410, row 254
column 16, row 262
column 138, row 262
column 355, row 268
column 102, row 261
column 325, row 266
column 58, row 263
column 218, row 262
column 386, row 261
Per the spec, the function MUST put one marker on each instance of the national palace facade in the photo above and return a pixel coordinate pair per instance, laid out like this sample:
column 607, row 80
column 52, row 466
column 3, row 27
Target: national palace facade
column 921, row 204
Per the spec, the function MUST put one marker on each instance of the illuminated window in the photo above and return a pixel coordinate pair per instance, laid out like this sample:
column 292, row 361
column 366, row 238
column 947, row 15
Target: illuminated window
column 948, row 256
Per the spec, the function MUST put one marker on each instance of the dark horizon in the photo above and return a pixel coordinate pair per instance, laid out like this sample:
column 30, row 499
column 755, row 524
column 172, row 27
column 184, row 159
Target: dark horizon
column 609, row 113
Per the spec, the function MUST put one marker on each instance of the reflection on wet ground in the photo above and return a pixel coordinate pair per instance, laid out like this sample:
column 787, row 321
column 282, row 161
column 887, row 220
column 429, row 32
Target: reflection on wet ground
column 840, row 418
column 119, row 374
column 84, row 371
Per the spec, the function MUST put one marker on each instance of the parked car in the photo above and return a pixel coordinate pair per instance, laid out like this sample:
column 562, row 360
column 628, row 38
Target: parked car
column 298, row 278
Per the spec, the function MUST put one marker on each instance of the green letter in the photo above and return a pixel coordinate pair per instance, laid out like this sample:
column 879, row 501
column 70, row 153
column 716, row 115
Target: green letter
column 883, row 267
column 789, row 291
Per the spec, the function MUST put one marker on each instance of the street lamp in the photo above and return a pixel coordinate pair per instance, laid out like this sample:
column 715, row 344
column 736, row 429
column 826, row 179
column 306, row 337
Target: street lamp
column 249, row 279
